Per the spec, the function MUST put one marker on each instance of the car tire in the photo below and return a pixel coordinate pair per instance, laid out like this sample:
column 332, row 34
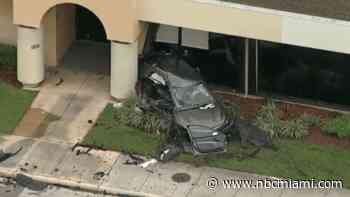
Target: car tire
column 168, row 152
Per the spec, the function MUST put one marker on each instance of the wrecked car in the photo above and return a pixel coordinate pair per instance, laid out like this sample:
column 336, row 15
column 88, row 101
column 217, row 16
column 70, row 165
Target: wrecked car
column 198, row 123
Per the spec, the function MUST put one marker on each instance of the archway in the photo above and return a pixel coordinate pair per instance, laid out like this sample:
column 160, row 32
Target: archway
column 55, row 43
column 74, row 35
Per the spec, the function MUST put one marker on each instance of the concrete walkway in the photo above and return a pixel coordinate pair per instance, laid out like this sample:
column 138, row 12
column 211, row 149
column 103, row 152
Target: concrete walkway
column 72, row 96
column 57, row 163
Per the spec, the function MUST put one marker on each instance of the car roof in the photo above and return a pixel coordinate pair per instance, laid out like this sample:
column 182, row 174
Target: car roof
column 176, row 71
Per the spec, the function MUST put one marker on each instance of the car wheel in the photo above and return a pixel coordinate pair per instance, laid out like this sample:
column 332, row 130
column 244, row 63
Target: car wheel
column 168, row 152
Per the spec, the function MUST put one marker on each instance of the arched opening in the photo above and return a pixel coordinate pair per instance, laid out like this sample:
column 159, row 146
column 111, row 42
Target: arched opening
column 75, row 39
column 71, row 41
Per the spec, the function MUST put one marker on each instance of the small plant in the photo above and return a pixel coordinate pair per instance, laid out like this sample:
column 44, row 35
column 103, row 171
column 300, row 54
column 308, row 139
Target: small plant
column 311, row 120
column 269, row 119
column 295, row 128
column 8, row 56
column 339, row 126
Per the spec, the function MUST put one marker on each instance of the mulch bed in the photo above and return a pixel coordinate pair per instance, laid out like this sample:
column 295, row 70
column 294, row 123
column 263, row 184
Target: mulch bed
column 10, row 76
column 316, row 137
column 251, row 105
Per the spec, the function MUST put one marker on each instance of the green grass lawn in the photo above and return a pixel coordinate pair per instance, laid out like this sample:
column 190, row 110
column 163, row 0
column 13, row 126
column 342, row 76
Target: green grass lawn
column 109, row 135
column 13, row 104
column 294, row 159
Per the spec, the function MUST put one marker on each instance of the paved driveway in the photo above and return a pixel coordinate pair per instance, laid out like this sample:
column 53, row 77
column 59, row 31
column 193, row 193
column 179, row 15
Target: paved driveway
column 72, row 96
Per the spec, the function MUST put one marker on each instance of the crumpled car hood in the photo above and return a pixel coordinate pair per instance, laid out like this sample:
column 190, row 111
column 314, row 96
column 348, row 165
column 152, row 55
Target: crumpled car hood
column 211, row 118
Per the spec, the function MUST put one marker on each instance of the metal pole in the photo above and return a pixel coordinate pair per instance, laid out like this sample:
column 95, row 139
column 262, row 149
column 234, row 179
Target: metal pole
column 246, row 70
column 256, row 66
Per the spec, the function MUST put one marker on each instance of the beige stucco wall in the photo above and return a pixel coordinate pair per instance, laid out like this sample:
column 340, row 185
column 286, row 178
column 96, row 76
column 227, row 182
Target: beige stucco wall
column 49, row 26
column 8, row 31
column 326, row 35
column 121, row 21
column 211, row 17
column 59, row 32
column 65, row 29
column 117, row 16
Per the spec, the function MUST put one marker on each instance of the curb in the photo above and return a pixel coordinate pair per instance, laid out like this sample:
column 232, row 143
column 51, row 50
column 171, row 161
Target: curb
column 11, row 173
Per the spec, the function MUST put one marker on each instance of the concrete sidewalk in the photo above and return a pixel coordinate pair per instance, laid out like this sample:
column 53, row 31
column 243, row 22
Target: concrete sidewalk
column 72, row 96
column 107, row 171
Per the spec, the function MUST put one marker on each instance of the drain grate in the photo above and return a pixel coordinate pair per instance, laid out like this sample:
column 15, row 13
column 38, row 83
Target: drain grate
column 181, row 177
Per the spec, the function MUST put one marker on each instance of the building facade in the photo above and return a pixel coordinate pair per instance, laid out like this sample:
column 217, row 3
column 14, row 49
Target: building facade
column 44, row 29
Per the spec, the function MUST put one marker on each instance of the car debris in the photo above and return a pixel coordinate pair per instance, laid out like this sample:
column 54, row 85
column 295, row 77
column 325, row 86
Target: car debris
column 89, row 147
column 148, row 163
column 141, row 162
column 134, row 160
column 59, row 81
column 4, row 156
column 99, row 175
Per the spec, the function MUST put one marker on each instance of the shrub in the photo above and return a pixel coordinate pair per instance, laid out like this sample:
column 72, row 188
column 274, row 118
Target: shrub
column 128, row 115
column 268, row 119
column 339, row 126
column 8, row 56
column 295, row 128
column 311, row 120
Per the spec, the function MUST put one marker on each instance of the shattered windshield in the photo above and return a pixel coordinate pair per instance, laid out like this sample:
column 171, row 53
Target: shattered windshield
column 192, row 96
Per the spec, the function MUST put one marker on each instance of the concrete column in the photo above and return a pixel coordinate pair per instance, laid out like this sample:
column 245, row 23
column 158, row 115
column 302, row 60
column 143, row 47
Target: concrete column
column 124, row 66
column 30, row 60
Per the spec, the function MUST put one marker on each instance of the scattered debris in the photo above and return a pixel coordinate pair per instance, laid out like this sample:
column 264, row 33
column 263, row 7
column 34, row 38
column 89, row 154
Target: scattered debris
column 83, row 152
column 181, row 177
column 134, row 160
column 99, row 175
column 59, row 82
column 147, row 163
column 168, row 152
column 138, row 161
column 4, row 156
column 7, row 181
column 87, row 146
column 29, row 183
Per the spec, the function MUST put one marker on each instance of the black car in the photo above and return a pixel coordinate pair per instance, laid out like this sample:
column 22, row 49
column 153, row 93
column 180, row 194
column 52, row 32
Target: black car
column 199, row 124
